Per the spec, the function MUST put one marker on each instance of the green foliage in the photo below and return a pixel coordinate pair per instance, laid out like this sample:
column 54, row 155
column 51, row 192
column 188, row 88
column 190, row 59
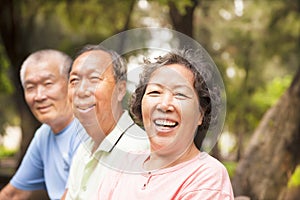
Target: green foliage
column 7, row 114
column 181, row 5
column 230, row 166
column 4, row 153
column 266, row 97
column 68, row 25
column 259, row 46
column 5, row 83
column 295, row 178
column 63, row 25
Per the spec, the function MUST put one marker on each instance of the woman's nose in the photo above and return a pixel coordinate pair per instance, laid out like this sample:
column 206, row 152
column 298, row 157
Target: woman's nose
column 166, row 103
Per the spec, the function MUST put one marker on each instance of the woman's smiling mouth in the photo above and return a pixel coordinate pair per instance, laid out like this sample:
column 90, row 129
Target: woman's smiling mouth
column 165, row 123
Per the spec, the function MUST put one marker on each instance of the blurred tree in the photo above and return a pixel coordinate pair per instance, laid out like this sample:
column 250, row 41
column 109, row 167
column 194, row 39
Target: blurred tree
column 6, row 89
column 274, row 151
column 182, row 16
column 26, row 26
column 253, row 42
column 13, row 41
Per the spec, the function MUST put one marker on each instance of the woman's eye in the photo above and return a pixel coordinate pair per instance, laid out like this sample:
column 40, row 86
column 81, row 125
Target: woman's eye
column 181, row 96
column 153, row 93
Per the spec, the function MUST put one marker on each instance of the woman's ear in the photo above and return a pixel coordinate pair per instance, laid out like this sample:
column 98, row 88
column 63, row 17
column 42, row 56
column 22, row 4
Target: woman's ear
column 200, row 119
column 121, row 87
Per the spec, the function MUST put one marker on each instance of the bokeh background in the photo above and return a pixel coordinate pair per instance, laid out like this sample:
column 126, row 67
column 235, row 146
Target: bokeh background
column 254, row 43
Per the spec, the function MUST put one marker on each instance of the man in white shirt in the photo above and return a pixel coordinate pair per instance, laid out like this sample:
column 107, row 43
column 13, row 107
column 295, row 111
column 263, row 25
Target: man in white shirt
column 97, row 86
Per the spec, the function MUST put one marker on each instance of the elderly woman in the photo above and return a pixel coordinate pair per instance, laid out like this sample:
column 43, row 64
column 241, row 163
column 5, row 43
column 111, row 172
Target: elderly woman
column 174, row 105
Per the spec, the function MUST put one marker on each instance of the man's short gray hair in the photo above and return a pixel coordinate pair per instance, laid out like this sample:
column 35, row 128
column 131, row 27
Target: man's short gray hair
column 46, row 55
column 118, row 62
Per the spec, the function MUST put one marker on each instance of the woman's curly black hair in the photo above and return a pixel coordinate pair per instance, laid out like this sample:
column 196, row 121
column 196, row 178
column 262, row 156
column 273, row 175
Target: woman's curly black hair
column 199, row 66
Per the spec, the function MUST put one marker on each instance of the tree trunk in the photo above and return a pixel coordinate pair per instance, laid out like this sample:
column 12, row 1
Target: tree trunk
column 274, row 150
column 13, row 39
column 183, row 22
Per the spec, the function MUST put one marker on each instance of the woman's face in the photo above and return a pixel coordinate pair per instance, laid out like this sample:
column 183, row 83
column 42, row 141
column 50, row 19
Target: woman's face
column 170, row 109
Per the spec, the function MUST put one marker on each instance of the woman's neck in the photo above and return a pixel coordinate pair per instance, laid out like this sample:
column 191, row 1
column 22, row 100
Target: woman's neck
column 158, row 161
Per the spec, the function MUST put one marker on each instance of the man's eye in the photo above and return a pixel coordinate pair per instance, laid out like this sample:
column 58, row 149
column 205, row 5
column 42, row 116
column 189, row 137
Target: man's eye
column 48, row 83
column 29, row 87
column 96, row 79
column 73, row 81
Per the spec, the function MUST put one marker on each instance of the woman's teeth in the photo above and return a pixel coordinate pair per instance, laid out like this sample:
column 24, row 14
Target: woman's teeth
column 165, row 123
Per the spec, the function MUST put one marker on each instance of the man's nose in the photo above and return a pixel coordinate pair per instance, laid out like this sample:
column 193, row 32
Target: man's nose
column 84, row 89
column 40, row 93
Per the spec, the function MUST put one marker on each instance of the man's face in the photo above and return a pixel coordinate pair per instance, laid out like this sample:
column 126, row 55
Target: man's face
column 92, row 88
column 170, row 110
column 46, row 93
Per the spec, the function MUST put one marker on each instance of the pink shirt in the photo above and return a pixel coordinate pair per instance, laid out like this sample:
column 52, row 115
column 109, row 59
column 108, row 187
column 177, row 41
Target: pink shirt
column 202, row 177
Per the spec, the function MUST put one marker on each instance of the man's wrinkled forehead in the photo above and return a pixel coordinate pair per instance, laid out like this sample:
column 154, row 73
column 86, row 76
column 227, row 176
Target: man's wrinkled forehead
column 95, row 58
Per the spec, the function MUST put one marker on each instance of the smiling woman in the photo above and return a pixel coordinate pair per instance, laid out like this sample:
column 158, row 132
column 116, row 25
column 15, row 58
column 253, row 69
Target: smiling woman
column 175, row 112
column 170, row 114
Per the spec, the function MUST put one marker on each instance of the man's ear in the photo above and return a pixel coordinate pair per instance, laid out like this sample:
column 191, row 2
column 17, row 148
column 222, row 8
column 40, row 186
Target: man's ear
column 121, row 87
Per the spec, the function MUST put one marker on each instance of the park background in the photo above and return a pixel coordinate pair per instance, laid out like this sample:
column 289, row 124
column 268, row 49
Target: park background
column 254, row 43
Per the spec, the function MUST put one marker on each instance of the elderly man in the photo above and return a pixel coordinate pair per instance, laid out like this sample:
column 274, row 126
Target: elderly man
column 97, row 87
column 44, row 76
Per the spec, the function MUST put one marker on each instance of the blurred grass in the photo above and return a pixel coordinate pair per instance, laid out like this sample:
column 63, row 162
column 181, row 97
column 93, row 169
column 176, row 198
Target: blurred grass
column 293, row 182
column 4, row 152
column 295, row 178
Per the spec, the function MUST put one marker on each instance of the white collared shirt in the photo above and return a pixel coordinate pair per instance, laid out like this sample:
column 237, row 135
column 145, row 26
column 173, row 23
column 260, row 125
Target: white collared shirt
column 88, row 169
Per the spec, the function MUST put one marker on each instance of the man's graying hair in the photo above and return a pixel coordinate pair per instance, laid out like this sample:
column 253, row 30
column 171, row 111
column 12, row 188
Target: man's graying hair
column 199, row 66
column 47, row 55
column 119, row 64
